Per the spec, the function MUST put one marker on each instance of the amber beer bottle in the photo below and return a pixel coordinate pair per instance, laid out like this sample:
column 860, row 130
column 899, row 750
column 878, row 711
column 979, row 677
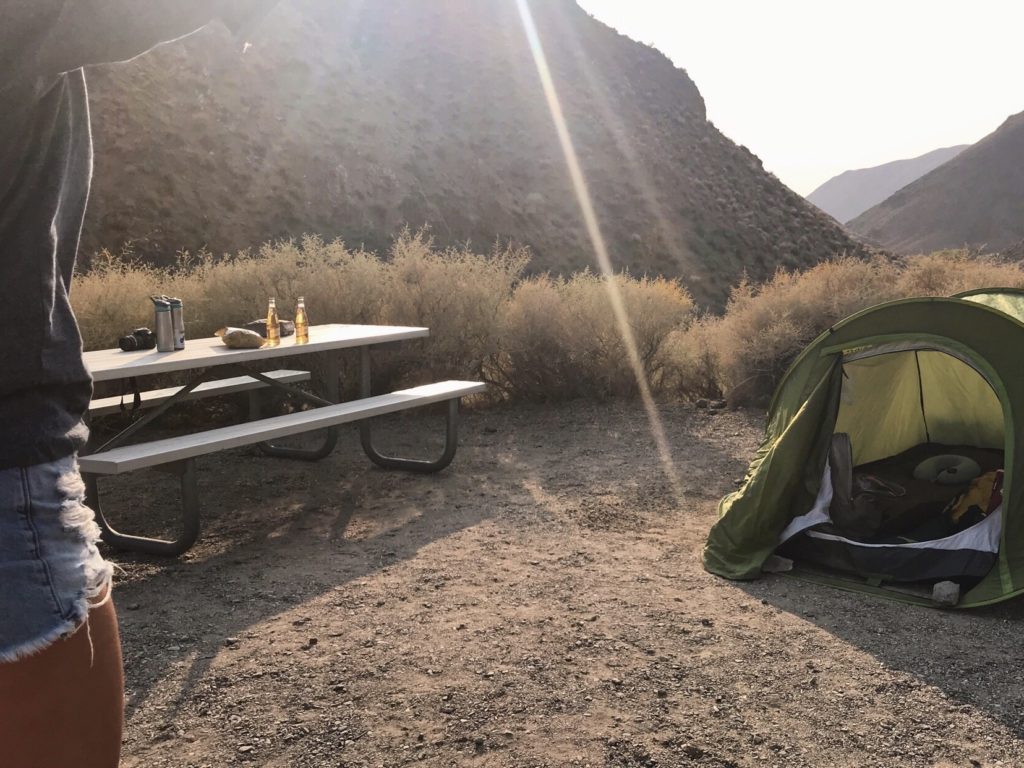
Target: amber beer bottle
column 273, row 325
column 301, row 322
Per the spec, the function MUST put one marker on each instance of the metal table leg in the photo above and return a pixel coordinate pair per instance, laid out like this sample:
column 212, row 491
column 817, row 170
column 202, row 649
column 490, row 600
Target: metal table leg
column 332, row 394
column 394, row 462
column 186, row 471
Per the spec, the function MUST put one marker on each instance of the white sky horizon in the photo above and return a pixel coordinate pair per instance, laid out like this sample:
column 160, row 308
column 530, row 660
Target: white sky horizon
column 818, row 87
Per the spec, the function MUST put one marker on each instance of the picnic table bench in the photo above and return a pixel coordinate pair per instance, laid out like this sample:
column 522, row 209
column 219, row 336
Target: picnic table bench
column 209, row 356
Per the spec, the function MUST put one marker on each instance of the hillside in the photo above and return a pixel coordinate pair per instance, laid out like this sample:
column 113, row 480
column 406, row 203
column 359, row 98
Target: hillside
column 976, row 199
column 849, row 194
column 353, row 119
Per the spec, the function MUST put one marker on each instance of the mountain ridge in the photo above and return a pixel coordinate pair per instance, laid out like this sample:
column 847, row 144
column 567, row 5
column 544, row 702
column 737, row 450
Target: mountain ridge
column 851, row 193
column 975, row 200
column 352, row 120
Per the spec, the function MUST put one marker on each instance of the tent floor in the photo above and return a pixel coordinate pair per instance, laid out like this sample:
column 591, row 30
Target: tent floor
column 914, row 592
column 916, row 517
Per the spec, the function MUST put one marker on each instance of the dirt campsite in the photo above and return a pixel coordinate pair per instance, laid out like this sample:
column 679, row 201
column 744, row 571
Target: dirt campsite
column 539, row 603
column 576, row 246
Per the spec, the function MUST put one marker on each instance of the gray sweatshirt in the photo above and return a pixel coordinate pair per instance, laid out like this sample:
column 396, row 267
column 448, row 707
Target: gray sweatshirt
column 45, row 170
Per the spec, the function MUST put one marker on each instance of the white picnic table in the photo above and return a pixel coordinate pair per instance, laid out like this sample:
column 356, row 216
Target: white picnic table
column 204, row 358
column 113, row 364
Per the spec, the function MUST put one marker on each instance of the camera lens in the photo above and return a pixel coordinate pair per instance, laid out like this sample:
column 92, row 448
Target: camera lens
column 128, row 343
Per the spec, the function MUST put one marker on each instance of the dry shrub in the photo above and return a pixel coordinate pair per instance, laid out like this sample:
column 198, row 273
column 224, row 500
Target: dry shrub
column 535, row 357
column 561, row 338
column 459, row 295
column 112, row 298
column 539, row 337
column 946, row 273
column 656, row 308
column 766, row 326
column 339, row 286
column 694, row 373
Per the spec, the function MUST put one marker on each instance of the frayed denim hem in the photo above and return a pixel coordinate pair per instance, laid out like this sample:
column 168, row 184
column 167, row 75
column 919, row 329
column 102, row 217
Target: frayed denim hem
column 80, row 521
column 51, row 561
column 28, row 648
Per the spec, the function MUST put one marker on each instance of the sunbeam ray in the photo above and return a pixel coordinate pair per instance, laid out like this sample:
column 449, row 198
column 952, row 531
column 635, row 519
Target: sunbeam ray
column 672, row 237
column 599, row 245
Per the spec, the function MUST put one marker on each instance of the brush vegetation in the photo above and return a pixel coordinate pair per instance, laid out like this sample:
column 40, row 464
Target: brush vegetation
column 530, row 337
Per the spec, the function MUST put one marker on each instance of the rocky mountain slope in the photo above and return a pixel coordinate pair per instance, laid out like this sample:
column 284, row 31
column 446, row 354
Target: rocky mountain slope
column 352, row 119
column 976, row 199
column 849, row 194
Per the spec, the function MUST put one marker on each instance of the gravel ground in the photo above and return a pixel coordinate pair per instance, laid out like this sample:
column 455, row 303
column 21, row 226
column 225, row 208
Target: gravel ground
column 539, row 603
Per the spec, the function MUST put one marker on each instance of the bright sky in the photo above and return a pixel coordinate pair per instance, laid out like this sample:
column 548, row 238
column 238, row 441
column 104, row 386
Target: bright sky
column 817, row 87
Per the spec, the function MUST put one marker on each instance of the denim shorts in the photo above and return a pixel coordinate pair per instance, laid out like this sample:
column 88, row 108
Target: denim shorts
column 50, row 568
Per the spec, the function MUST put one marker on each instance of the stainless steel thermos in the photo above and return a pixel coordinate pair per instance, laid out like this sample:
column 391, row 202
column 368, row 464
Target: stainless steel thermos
column 163, row 324
column 169, row 323
column 178, row 322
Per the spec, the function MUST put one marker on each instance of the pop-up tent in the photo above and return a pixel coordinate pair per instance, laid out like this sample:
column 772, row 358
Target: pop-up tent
column 913, row 381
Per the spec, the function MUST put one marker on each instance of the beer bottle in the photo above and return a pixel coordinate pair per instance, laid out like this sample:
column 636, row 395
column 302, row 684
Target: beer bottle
column 301, row 322
column 273, row 326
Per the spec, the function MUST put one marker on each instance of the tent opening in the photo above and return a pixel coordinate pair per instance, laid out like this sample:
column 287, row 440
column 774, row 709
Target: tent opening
column 912, row 489
column 892, row 401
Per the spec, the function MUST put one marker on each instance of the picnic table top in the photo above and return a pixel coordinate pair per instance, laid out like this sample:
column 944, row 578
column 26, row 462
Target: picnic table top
column 112, row 364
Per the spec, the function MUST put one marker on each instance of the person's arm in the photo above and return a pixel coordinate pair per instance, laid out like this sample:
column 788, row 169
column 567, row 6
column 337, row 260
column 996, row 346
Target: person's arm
column 73, row 33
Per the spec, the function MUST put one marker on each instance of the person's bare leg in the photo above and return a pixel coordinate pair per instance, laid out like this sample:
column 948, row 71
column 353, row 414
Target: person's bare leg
column 64, row 706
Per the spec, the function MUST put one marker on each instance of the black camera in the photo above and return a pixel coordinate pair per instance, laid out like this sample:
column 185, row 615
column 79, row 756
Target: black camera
column 140, row 338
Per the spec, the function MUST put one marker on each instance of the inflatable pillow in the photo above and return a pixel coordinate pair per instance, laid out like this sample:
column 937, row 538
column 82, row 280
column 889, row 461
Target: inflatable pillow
column 948, row 469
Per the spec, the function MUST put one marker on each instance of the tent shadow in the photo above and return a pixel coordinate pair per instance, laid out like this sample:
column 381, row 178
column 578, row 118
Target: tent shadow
column 971, row 656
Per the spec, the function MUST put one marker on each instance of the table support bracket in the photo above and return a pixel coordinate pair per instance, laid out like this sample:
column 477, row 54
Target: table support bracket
column 186, row 471
column 415, row 465
column 394, row 462
column 121, row 437
column 331, row 437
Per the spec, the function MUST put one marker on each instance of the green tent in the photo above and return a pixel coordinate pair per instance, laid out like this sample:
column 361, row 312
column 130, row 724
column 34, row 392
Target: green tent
column 946, row 372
